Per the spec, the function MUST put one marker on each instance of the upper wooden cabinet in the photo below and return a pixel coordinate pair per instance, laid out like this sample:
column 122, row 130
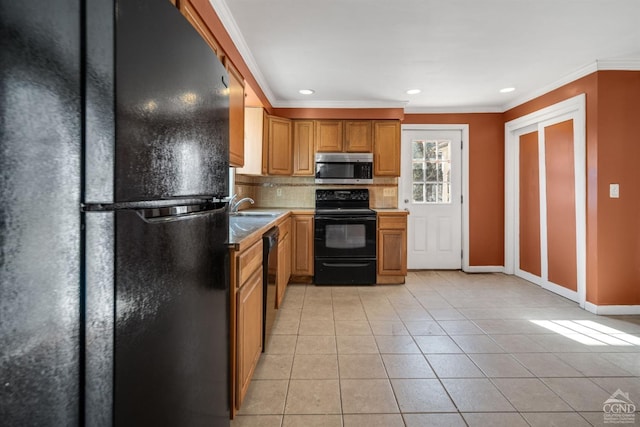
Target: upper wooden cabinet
column 269, row 146
column 351, row 136
column 279, row 145
column 254, row 118
column 189, row 10
column 303, row 147
column 328, row 135
column 357, row 136
column 236, row 116
column 386, row 148
column 236, row 82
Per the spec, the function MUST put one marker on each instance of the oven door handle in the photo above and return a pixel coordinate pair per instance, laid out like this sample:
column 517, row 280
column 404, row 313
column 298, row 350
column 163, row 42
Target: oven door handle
column 346, row 264
column 343, row 217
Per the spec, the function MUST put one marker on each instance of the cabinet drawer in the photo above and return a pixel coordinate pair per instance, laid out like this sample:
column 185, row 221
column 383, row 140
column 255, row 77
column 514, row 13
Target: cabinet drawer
column 249, row 261
column 392, row 222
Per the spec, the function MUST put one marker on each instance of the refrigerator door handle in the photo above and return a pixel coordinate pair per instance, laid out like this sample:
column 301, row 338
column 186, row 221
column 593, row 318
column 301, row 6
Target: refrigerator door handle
column 178, row 213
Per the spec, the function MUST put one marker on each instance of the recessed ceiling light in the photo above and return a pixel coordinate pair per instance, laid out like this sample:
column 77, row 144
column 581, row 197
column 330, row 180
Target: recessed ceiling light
column 307, row 91
column 507, row 89
column 413, row 91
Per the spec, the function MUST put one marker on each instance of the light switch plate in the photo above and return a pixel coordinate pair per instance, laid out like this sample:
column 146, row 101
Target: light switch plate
column 614, row 191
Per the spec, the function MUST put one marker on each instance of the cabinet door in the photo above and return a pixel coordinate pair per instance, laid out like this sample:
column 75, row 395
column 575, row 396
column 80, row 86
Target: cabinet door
column 279, row 160
column 189, row 11
column 280, row 279
column 253, row 141
column 386, row 148
column 328, row 135
column 284, row 260
column 287, row 259
column 392, row 252
column 302, row 245
column 303, row 147
column 236, row 116
column 249, row 332
column 358, row 136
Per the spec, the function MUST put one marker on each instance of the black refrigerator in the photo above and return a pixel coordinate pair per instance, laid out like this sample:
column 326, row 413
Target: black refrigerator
column 114, row 263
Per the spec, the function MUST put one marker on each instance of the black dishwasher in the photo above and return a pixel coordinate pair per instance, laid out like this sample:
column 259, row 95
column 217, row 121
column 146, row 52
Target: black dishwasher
column 269, row 277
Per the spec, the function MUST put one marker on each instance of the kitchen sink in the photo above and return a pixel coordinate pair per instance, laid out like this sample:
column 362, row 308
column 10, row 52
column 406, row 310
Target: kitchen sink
column 250, row 213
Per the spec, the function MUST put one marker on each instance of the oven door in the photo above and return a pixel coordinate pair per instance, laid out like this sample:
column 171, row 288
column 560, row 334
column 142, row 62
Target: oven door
column 352, row 236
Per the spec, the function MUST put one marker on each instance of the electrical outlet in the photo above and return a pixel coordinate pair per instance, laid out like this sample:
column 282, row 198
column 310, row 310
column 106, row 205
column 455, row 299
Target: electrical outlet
column 279, row 192
column 388, row 192
column 614, row 191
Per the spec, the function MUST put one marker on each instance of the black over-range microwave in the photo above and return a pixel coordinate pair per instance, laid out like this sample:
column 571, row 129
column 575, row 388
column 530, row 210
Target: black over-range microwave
column 344, row 168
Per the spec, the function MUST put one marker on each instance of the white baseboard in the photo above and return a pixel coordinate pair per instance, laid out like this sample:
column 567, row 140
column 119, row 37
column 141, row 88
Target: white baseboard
column 612, row 310
column 552, row 287
column 484, row 269
column 562, row 291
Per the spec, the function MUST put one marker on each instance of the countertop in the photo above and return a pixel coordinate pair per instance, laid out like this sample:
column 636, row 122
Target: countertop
column 251, row 224
column 390, row 210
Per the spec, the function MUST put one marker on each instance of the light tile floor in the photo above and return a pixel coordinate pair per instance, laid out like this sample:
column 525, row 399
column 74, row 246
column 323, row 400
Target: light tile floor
column 445, row 349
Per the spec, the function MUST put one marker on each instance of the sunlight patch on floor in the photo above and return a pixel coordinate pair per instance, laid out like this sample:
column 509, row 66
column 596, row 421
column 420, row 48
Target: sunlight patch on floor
column 588, row 332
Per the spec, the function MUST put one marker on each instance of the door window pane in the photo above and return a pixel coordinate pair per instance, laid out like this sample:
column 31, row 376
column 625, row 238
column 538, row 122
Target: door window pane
column 418, row 172
column 431, row 171
column 418, row 192
column 418, row 150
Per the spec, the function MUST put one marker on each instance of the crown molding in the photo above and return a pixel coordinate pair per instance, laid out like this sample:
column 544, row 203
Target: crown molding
column 579, row 73
column 339, row 104
column 619, row 64
column 599, row 65
column 452, row 110
column 223, row 12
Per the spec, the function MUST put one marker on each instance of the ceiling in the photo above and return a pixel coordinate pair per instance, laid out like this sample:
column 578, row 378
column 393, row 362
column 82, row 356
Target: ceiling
column 460, row 53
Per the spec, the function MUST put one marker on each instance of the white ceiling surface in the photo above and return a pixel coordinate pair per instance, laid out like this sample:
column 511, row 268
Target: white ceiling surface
column 367, row 53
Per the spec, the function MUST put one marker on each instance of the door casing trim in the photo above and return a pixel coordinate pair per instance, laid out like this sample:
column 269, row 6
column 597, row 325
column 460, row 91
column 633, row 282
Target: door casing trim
column 464, row 128
column 570, row 109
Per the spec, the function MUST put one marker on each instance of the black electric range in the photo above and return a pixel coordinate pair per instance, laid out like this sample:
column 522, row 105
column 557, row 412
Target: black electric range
column 344, row 238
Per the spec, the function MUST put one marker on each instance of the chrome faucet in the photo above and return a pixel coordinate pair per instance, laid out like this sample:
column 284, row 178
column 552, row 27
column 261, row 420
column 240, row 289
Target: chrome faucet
column 233, row 207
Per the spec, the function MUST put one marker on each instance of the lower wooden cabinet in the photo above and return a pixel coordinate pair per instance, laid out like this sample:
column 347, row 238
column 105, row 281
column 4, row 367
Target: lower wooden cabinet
column 392, row 247
column 284, row 260
column 245, row 310
column 249, row 332
column 302, row 245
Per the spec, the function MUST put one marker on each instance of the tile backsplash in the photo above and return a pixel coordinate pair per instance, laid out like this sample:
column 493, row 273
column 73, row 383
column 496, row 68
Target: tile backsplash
column 299, row 191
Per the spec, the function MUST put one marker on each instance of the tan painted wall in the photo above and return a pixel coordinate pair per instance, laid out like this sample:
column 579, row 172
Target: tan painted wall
column 618, row 162
column 613, row 156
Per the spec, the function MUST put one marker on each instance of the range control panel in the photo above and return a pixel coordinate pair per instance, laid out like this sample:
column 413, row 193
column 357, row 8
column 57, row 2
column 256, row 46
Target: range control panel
column 361, row 194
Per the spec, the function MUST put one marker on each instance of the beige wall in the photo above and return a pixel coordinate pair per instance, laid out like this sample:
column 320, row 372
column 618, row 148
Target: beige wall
column 299, row 192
